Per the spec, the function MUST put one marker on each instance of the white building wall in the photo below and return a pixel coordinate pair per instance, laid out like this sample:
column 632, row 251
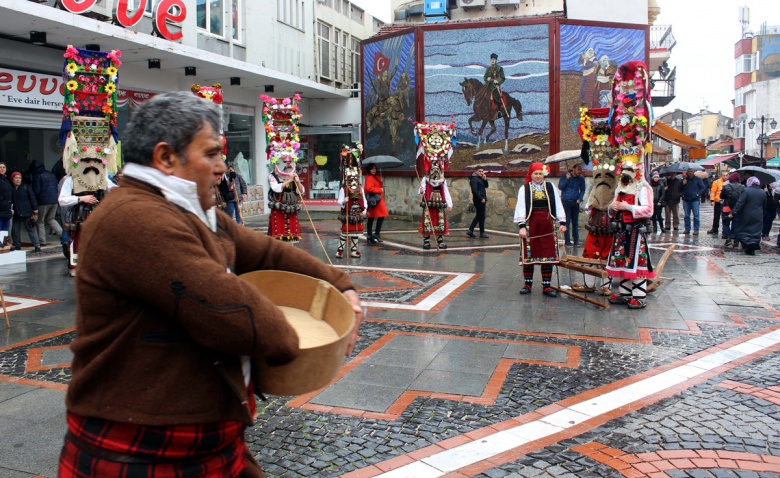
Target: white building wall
column 618, row 11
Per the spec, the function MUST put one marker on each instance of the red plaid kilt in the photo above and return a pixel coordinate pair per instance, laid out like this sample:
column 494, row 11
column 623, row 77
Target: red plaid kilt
column 95, row 447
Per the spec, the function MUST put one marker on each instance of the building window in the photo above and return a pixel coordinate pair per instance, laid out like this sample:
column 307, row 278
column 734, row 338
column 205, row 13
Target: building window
column 756, row 60
column 356, row 62
column 210, row 16
column 291, row 12
column 236, row 12
column 344, row 76
column 133, row 4
column 344, row 7
column 323, row 32
column 356, row 14
column 337, row 6
column 336, row 56
column 744, row 64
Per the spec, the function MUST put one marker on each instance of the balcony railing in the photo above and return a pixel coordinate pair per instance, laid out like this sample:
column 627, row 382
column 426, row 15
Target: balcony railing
column 661, row 37
column 663, row 89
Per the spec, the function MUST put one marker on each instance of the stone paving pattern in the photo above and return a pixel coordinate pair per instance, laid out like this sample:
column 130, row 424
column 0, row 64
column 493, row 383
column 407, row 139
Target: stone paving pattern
column 432, row 369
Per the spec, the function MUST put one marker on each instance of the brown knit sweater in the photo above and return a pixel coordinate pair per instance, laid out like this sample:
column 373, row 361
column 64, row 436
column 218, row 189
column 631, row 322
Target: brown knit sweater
column 162, row 317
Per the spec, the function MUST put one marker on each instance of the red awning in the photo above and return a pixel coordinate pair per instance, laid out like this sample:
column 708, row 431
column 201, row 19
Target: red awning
column 696, row 149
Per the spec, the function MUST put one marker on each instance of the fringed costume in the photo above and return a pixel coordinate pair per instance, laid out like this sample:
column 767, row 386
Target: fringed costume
column 88, row 135
column 538, row 208
column 632, row 208
column 281, row 118
column 352, row 200
column 435, row 145
column 597, row 148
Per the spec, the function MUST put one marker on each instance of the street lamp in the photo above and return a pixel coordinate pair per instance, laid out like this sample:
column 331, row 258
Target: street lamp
column 761, row 138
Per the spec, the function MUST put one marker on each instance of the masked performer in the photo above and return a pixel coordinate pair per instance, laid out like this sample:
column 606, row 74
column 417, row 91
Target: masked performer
column 89, row 136
column 595, row 133
column 435, row 145
column 352, row 200
column 629, row 259
column 285, row 201
column 436, row 200
column 281, row 118
column 538, row 208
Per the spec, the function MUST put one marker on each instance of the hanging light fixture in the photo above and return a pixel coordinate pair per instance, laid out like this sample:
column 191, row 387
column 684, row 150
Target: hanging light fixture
column 235, row 81
column 154, row 64
column 38, row 38
column 190, row 71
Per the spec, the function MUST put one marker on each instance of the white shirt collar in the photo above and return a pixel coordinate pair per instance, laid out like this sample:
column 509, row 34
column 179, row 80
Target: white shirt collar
column 179, row 191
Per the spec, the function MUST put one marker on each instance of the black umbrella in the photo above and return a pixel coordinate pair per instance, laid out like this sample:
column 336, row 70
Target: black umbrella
column 383, row 162
column 766, row 176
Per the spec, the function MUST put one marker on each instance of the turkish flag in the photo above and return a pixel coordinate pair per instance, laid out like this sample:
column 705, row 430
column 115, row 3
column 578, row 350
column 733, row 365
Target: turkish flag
column 381, row 63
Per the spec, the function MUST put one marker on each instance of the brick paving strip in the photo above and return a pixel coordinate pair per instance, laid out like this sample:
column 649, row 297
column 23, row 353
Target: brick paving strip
column 495, row 445
column 655, row 464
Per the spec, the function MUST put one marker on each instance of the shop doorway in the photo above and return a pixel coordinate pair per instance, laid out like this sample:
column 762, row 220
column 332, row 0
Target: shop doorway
column 323, row 155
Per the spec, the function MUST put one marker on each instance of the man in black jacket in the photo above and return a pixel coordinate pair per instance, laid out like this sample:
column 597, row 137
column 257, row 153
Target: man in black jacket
column 479, row 184
column 44, row 185
column 673, row 192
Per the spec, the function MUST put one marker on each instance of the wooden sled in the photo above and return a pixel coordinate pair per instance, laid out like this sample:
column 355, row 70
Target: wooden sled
column 595, row 267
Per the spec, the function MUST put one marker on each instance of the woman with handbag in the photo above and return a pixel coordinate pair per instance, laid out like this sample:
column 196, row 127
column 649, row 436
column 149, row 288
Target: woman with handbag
column 25, row 210
column 376, row 204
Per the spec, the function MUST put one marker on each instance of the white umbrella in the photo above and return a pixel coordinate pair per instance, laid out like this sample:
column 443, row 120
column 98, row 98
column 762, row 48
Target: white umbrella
column 563, row 156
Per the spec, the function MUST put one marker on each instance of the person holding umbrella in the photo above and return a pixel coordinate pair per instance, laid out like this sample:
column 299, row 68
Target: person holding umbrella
column 375, row 197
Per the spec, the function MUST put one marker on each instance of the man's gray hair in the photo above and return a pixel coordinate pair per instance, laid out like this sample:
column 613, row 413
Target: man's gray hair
column 174, row 118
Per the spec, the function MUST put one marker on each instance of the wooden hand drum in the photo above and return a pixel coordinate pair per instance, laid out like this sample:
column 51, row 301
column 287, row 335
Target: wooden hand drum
column 323, row 319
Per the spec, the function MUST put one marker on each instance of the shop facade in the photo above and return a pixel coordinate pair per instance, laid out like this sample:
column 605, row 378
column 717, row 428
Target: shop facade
column 219, row 52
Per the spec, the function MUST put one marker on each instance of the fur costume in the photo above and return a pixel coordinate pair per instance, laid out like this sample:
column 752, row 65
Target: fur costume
column 629, row 259
column 352, row 200
column 435, row 147
column 281, row 118
column 595, row 133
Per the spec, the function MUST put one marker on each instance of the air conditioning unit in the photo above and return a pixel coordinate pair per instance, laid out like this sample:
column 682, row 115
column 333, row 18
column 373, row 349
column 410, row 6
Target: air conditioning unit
column 466, row 4
column 503, row 3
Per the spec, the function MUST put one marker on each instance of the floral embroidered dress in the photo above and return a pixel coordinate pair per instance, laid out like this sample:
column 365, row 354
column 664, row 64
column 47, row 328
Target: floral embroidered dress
column 629, row 257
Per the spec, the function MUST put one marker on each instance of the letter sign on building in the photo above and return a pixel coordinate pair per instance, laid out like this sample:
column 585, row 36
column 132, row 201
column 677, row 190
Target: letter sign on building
column 166, row 10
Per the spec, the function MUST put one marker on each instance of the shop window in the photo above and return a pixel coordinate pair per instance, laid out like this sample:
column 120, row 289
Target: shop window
column 324, row 164
column 239, row 133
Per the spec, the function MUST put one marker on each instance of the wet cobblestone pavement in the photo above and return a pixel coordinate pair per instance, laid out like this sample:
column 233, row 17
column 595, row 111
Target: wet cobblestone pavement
column 457, row 375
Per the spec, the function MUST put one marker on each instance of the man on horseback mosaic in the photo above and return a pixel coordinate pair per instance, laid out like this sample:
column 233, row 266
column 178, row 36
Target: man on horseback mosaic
column 494, row 78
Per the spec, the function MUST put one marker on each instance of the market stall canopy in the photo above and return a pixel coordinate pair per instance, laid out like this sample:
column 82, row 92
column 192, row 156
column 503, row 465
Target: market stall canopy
column 696, row 149
column 773, row 163
column 711, row 161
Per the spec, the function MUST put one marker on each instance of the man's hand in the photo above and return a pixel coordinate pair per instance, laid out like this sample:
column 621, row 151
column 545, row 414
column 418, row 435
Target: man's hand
column 353, row 299
column 449, row 208
column 523, row 232
column 568, row 175
column 561, row 228
column 244, row 197
column 483, row 201
column 88, row 199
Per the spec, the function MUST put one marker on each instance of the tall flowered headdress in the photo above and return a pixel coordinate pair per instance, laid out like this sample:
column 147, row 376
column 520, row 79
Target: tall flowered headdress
column 281, row 117
column 435, row 142
column 88, row 132
column 631, row 114
column 213, row 93
column 597, row 142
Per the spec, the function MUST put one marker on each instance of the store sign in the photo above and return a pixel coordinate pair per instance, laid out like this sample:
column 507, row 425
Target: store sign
column 134, row 98
column 164, row 11
column 22, row 89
